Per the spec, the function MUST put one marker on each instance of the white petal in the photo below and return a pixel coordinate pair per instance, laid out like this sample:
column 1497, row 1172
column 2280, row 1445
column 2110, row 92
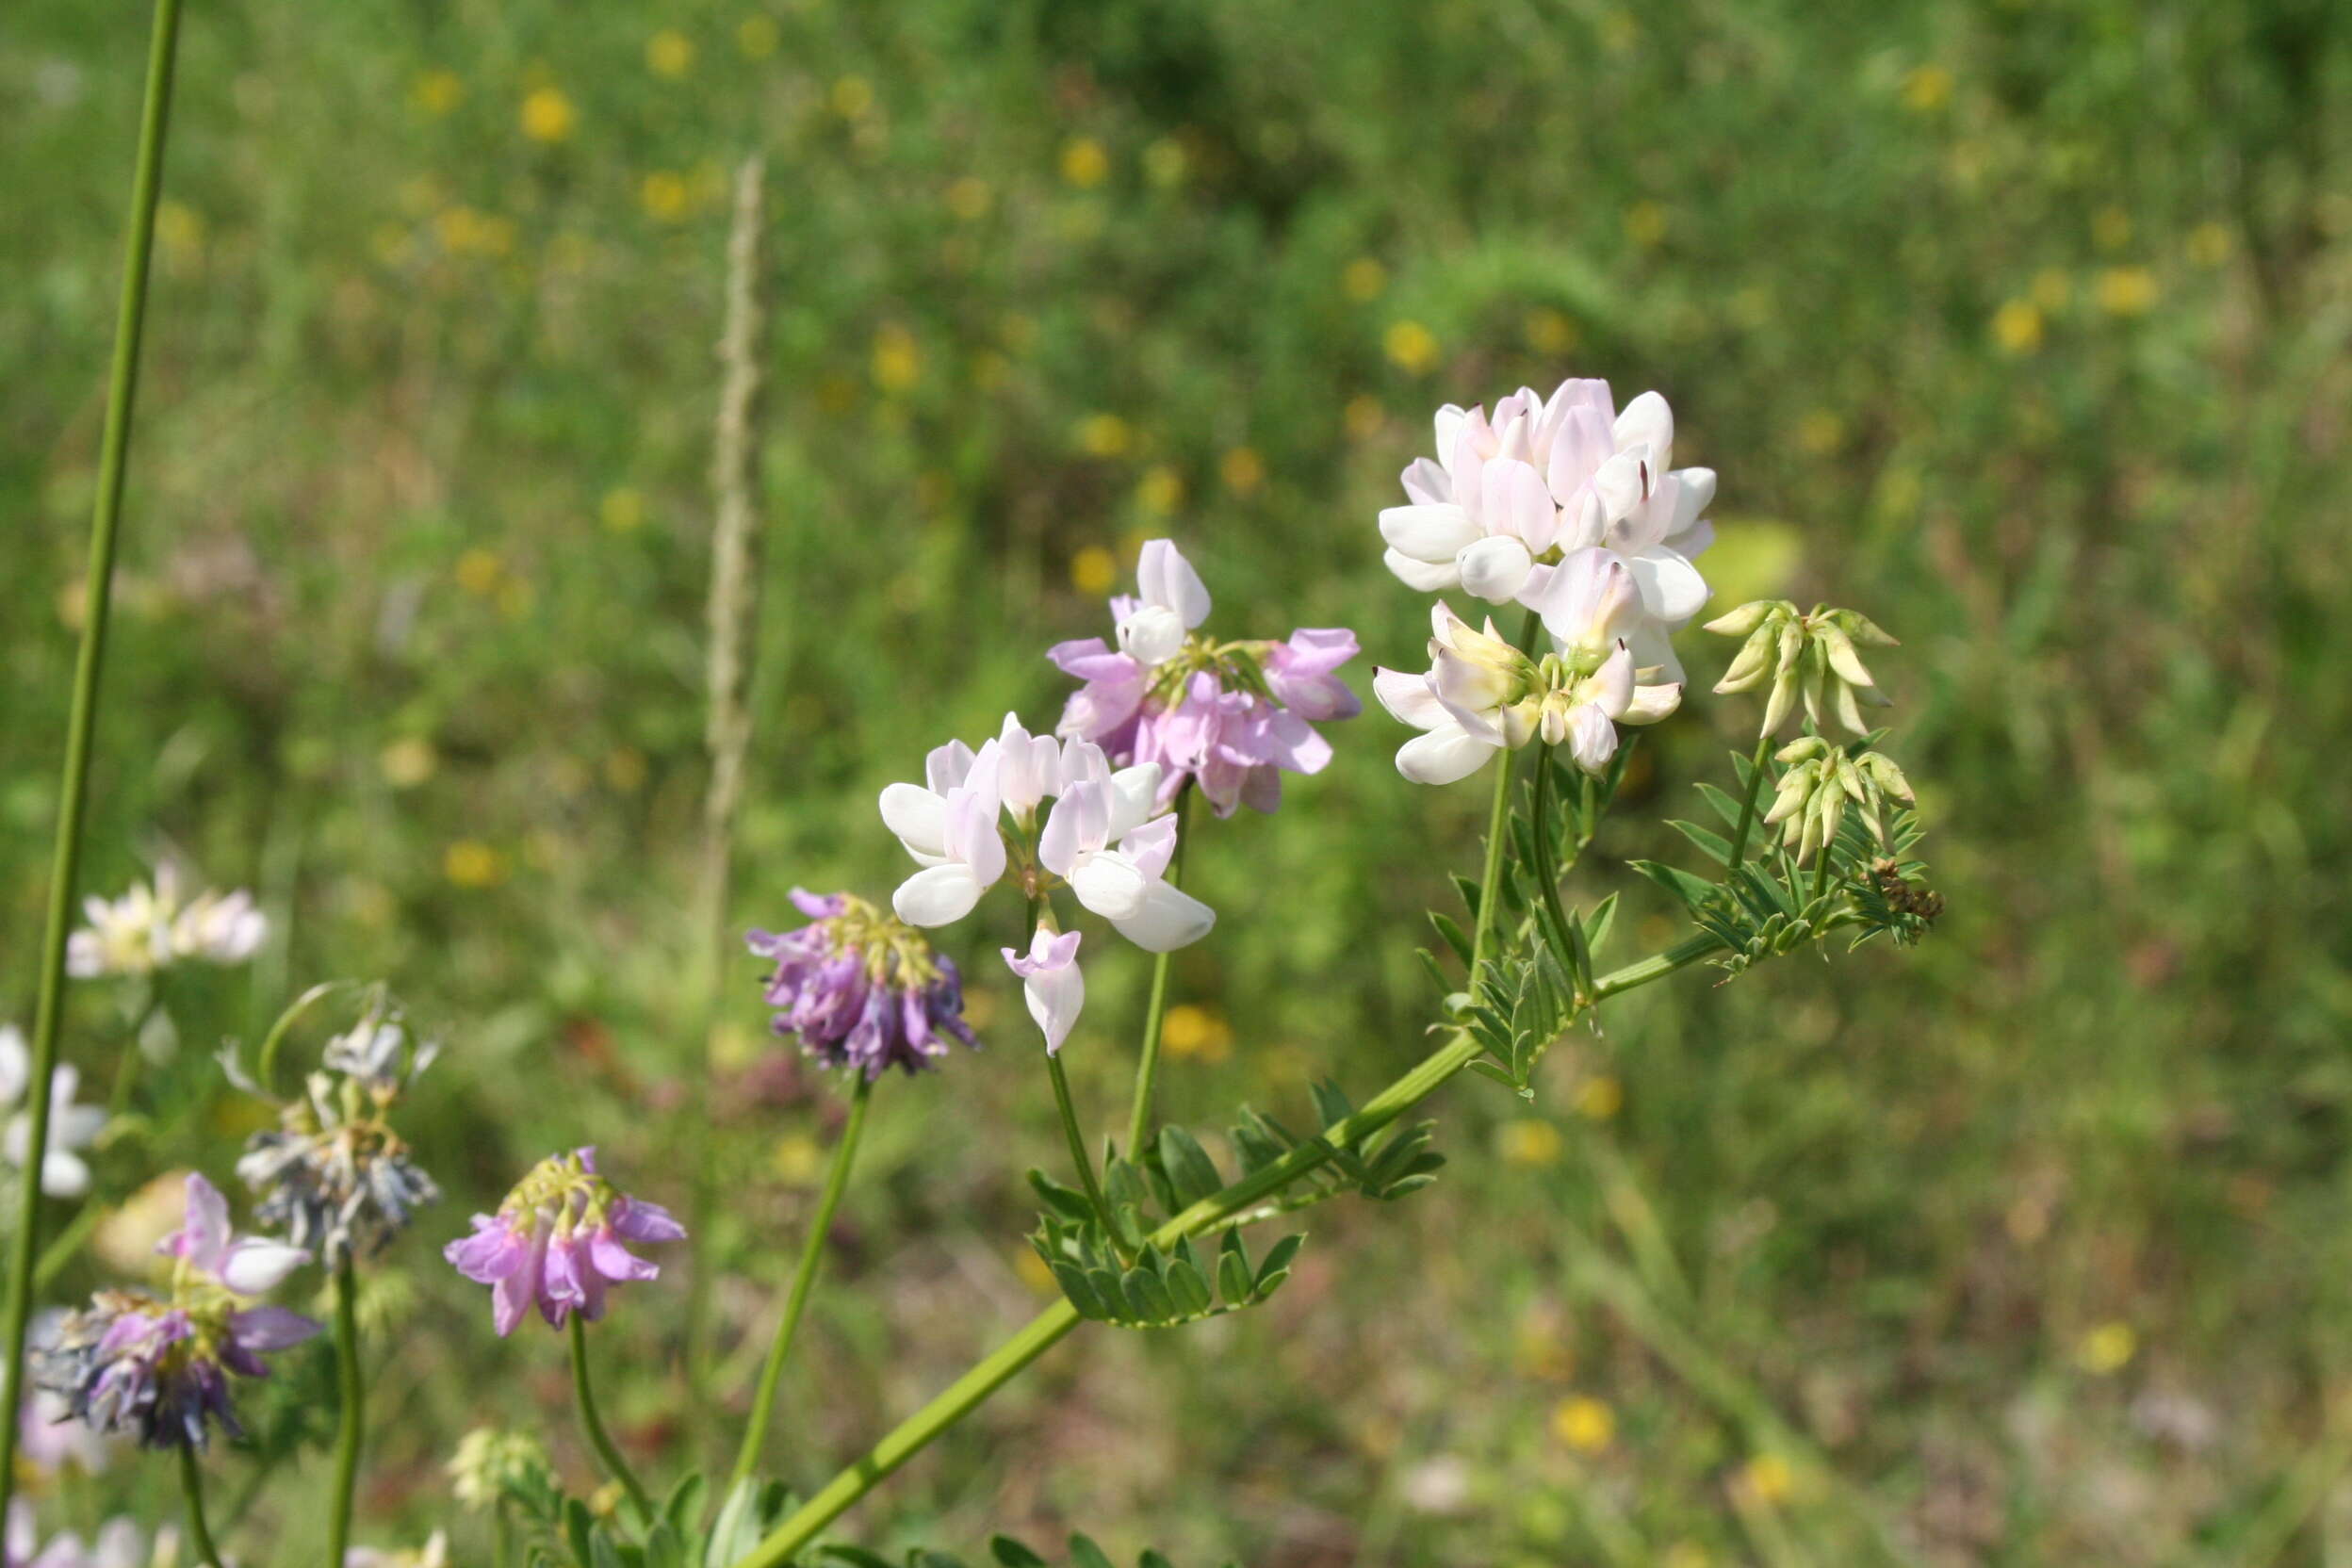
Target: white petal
column 1055, row 997
column 63, row 1174
column 1166, row 579
column 1430, row 534
column 256, row 1264
column 1407, row 697
column 947, row 766
column 1421, row 576
column 1611, row 686
column 1646, row 421
column 937, row 895
column 1592, row 739
column 1672, row 588
column 1695, row 492
column 918, row 817
column 1109, row 883
column 1170, row 919
column 1134, row 794
column 1427, row 483
column 1153, row 635
column 1444, row 756
column 1079, row 824
column 1622, row 483
column 1495, row 568
column 1652, row 703
column 16, row 1064
column 1450, row 423
column 1516, row 504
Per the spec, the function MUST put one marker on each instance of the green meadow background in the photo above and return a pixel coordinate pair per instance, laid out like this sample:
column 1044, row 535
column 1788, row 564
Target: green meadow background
column 2021, row 326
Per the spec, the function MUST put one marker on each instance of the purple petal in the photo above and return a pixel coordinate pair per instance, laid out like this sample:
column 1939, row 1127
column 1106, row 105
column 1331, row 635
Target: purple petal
column 615, row 1262
column 637, row 1220
column 261, row 1329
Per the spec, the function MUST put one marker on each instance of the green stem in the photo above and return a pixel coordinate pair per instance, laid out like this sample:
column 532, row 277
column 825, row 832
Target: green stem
column 81, row 723
column 352, row 1385
column 1044, row 1331
column 1155, row 1018
column 1077, row 1141
column 1491, row 878
column 804, row 1277
column 593, row 1424
column 192, row 1487
column 1747, row 805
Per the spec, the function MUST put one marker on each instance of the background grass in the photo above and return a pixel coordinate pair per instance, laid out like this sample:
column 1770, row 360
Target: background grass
column 2020, row 326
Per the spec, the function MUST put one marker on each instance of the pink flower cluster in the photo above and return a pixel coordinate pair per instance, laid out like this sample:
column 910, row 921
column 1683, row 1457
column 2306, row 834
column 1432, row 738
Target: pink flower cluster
column 1231, row 718
column 557, row 1241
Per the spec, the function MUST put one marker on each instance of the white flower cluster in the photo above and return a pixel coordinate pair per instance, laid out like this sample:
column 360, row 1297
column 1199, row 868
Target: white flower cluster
column 977, row 810
column 150, row 928
column 1567, row 507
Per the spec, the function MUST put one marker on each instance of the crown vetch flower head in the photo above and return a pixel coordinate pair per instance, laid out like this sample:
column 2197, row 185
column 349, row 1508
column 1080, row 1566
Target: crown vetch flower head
column 159, row 1368
column 1101, row 837
column 1544, row 477
column 490, row 1462
column 863, row 989
column 150, row 928
column 557, row 1241
column 1232, row 717
column 333, row 1174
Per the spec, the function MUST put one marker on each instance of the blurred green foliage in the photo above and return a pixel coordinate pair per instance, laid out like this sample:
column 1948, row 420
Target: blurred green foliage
column 2020, row 326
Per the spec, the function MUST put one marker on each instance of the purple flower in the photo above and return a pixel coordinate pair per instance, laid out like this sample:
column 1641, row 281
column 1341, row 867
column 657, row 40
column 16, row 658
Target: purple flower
column 1229, row 717
column 861, row 989
column 557, row 1240
column 158, row 1369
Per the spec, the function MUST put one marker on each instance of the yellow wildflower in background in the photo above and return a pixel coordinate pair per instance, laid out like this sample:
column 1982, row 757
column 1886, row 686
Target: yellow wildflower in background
column 1034, row 1273
column 471, row 863
column 623, row 509
column 1927, row 89
column 1530, row 1142
column 1242, row 469
column 2126, row 291
column 758, row 37
column 548, row 115
column 1093, row 569
column 1549, row 331
column 1600, row 1096
column 1085, row 164
column 2018, row 327
column 1585, row 1424
column 1193, row 1030
column 1104, row 436
column 437, row 92
column 408, row 761
column 969, row 198
column 669, row 54
column 897, row 360
column 1820, row 432
column 1645, row 224
column 1166, row 163
column 1161, row 490
column 852, row 97
column 1364, row 279
column 2111, row 228
column 796, row 1160
column 478, row 571
column 1767, row 1477
column 2108, row 1349
column 664, row 196
column 1411, row 347
column 2210, row 244
column 1363, row 417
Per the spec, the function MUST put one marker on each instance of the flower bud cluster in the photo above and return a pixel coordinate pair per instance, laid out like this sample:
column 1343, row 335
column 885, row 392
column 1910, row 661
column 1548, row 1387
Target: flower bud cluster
column 1820, row 780
column 1810, row 656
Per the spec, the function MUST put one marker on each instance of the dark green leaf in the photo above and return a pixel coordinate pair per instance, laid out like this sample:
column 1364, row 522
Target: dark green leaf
column 1086, row 1553
column 1012, row 1554
column 1189, row 1168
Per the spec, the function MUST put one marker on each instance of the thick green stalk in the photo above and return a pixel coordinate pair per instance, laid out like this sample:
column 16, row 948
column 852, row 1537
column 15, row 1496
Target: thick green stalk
column 1044, row 1331
column 804, row 1277
column 1747, row 805
column 1155, row 1015
column 1078, row 1154
column 81, row 723
column 350, row 1425
column 192, row 1488
column 593, row 1424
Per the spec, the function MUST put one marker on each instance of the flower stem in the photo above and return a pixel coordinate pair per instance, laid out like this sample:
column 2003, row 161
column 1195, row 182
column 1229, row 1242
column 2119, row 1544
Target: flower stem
column 1747, row 805
column 811, row 1253
column 351, row 1426
column 192, row 1487
column 1043, row 1332
column 1491, row 878
column 81, row 723
column 1155, row 1018
column 1077, row 1141
column 593, row 1424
